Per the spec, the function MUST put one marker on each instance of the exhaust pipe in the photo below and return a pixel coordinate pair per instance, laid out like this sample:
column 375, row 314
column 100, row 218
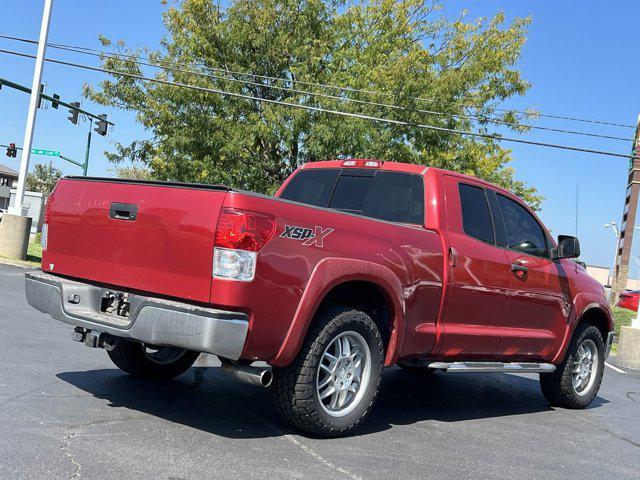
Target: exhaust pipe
column 261, row 376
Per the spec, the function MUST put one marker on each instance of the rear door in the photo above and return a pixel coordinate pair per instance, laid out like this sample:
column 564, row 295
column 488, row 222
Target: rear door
column 150, row 237
column 540, row 296
column 479, row 273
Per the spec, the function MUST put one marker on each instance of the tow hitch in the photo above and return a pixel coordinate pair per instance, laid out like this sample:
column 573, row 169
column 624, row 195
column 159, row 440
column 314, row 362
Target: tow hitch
column 94, row 339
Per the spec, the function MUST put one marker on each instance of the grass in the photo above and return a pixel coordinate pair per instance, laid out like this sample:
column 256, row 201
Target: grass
column 34, row 252
column 34, row 255
column 622, row 318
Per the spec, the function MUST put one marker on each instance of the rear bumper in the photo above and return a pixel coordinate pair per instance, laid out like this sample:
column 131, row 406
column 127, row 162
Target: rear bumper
column 152, row 320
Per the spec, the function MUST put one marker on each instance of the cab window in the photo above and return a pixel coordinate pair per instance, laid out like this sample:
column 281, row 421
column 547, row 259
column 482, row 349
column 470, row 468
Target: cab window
column 524, row 233
column 476, row 216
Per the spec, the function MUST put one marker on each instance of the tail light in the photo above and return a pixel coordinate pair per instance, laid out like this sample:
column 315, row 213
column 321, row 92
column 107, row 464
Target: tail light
column 239, row 235
column 45, row 224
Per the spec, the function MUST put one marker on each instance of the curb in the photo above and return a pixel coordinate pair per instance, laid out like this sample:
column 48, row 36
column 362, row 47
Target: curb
column 19, row 263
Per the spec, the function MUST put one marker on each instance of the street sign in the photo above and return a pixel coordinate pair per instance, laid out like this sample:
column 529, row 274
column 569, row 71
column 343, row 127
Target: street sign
column 49, row 153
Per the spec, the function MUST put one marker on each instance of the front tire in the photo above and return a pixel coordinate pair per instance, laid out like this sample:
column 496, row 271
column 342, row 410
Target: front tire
column 577, row 379
column 334, row 381
column 145, row 361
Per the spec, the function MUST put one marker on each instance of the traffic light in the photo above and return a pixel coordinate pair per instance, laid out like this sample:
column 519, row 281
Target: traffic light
column 12, row 151
column 101, row 125
column 74, row 112
column 40, row 95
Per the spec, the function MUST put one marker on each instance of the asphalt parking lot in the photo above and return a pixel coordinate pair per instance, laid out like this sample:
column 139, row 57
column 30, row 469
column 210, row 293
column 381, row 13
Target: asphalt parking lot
column 67, row 412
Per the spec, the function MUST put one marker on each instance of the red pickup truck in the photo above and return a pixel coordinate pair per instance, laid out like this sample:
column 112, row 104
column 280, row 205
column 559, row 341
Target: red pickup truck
column 352, row 266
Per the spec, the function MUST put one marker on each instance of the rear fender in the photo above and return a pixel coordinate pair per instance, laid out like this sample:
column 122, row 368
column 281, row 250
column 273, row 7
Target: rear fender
column 329, row 273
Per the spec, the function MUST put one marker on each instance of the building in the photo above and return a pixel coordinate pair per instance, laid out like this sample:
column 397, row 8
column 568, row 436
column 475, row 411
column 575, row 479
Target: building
column 602, row 275
column 8, row 180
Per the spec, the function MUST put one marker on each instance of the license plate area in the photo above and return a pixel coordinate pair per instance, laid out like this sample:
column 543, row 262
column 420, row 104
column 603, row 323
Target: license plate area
column 115, row 304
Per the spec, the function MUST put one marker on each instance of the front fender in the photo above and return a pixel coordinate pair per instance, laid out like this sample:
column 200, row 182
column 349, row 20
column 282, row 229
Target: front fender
column 326, row 275
column 583, row 302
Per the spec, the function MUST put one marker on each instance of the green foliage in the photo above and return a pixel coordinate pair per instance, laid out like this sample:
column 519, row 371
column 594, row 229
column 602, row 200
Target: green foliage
column 404, row 49
column 134, row 172
column 37, row 238
column 34, row 252
column 622, row 317
column 43, row 178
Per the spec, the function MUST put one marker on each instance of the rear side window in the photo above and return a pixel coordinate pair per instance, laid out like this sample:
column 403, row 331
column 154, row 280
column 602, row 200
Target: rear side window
column 524, row 233
column 391, row 196
column 476, row 216
column 396, row 197
column 313, row 187
column 350, row 193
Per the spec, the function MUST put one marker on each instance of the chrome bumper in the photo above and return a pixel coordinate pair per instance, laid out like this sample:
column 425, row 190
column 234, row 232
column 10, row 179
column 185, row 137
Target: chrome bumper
column 609, row 343
column 152, row 320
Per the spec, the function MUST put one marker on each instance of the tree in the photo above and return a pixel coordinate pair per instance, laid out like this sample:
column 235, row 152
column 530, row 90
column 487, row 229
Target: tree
column 134, row 171
column 43, row 178
column 405, row 51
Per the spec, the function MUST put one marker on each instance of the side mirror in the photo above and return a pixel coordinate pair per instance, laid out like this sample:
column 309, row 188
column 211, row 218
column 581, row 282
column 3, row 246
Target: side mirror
column 568, row 247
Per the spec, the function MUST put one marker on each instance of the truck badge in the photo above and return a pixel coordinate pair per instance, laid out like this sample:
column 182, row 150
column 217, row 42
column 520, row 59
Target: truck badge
column 307, row 236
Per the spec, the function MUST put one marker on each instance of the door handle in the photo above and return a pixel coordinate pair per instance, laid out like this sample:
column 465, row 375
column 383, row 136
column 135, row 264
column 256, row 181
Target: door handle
column 516, row 267
column 123, row 211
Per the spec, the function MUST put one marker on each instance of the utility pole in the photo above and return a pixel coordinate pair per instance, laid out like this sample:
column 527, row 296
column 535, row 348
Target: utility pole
column 621, row 268
column 33, row 108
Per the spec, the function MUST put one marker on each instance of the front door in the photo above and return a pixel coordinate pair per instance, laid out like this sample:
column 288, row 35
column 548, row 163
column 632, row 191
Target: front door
column 540, row 298
column 479, row 274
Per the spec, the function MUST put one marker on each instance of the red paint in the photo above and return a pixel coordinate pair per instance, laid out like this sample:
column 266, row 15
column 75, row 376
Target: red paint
column 629, row 300
column 450, row 295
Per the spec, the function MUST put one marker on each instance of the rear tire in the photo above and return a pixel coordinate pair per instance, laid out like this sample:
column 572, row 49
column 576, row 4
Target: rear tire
column 577, row 379
column 144, row 361
column 343, row 353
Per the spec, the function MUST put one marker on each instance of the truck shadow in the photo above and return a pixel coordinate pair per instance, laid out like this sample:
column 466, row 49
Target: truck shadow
column 206, row 399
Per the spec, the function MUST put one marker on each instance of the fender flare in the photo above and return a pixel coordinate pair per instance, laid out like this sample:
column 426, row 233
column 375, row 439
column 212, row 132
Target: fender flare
column 327, row 274
column 583, row 303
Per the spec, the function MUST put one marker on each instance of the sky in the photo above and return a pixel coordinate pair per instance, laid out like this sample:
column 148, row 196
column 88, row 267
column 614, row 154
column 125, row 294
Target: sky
column 581, row 58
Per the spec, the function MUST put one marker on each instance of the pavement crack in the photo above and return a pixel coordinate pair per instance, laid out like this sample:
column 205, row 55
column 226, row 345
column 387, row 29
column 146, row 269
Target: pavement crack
column 606, row 430
column 65, row 448
column 305, row 448
column 320, row 458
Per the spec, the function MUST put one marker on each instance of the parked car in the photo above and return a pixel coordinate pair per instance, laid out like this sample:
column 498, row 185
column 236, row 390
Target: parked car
column 353, row 266
column 629, row 300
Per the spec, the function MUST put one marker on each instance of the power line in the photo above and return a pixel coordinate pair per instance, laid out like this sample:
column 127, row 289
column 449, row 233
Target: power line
column 481, row 118
column 145, row 62
column 324, row 110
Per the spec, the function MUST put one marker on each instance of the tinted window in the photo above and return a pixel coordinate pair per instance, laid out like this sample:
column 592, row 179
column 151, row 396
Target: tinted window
column 312, row 186
column 396, row 197
column 524, row 233
column 476, row 216
column 392, row 196
column 350, row 193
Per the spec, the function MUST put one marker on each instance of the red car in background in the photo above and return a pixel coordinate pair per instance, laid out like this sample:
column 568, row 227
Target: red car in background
column 629, row 300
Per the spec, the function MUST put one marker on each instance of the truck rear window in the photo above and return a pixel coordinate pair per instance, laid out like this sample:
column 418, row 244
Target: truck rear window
column 391, row 196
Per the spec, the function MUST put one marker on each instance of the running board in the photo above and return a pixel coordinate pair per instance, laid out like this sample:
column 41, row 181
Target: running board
column 493, row 367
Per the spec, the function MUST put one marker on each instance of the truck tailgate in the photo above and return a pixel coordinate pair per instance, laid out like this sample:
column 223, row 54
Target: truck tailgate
column 149, row 236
